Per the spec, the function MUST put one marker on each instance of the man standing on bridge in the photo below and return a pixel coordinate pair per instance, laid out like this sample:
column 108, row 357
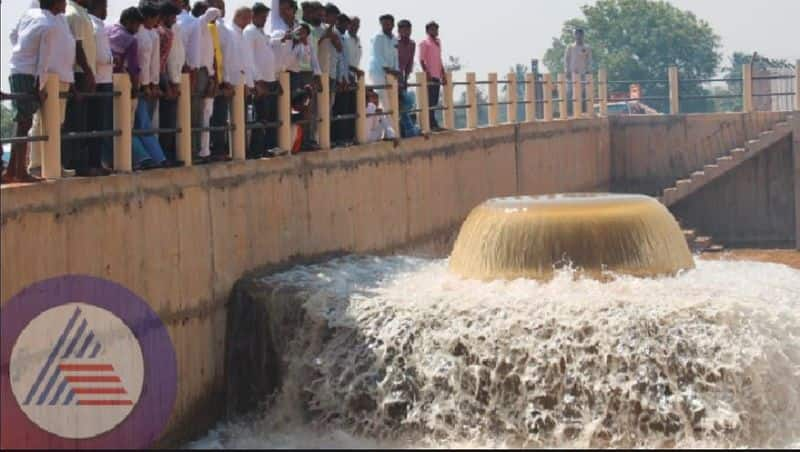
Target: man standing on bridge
column 578, row 60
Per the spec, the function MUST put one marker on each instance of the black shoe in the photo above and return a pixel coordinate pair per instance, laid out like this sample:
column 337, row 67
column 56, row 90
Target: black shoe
column 201, row 161
column 172, row 164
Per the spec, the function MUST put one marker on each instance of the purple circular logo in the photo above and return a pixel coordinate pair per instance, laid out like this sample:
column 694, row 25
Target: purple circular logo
column 85, row 364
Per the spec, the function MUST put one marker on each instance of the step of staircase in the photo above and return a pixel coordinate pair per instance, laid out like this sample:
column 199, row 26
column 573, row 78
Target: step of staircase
column 698, row 179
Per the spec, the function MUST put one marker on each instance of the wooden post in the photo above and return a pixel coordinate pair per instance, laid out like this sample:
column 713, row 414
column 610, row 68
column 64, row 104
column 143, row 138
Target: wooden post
column 123, row 121
column 449, row 114
column 577, row 95
column 530, row 97
column 395, row 101
column 184, row 139
column 51, row 125
column 602, row 79
column 563, row 102
column 747, row 88
column 472, row 100
column 285, row 113
column 590, row 96
column 512, row 98
column 493, row 99
column 548, row 97
column 361, row 110
column 674, row 91
column 239, row 133
column 797, row 93
column 324, row 113
column 423, row 103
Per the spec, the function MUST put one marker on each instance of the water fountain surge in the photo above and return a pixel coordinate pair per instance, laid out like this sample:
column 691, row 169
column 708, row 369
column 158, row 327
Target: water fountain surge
column 566, row 321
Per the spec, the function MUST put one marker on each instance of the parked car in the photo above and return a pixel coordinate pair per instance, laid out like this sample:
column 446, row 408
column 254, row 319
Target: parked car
column 628, row 108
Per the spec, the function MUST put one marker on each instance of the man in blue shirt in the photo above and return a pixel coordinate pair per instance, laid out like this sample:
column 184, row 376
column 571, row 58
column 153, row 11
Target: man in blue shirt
column 385, row 59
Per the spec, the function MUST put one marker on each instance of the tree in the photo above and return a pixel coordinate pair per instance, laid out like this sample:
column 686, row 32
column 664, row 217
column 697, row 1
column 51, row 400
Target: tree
column 6, row 122
column 733, row 72
column 640, row 40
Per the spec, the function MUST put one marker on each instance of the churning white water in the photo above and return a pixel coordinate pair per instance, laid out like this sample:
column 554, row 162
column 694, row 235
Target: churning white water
column 400, row 352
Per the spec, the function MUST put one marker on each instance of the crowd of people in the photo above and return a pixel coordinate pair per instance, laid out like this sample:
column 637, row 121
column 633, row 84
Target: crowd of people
column 158, row 41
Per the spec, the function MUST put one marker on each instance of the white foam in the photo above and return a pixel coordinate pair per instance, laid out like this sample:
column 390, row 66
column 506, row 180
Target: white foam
column 406, row 354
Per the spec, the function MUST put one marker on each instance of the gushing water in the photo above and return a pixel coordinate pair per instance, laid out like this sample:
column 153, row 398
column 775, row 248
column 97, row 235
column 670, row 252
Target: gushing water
column 400, row 352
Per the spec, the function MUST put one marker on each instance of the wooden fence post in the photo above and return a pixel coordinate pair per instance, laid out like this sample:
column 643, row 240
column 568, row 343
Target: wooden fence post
column 285, row 113
column 51, row 125
column 423, row 103
column 548, row 97
column 674, row 91
column 123, row 121
column 472, row 99
column 602, row 88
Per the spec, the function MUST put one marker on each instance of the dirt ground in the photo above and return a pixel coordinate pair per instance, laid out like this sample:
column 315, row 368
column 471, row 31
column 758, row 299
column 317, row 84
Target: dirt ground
column 786, row 257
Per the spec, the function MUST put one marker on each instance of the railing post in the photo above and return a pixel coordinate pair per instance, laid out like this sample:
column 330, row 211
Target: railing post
column 674, row 91
column 449, row 114
column 563, row 103
column 184, row 138
column 361, row 111
column 493, row 107
column 51, row 124
column 797, row 92
column 123, row 121
column 395, row 101
column 423, row 103
column 285, row 113
column 472, row 100
column 530, row 97
column 602, row 88
column 548, row 97
column 239, row 139
column 590, row 96
column 512, row 98
column 324, row 113
column 577, row 95
column 747, row 88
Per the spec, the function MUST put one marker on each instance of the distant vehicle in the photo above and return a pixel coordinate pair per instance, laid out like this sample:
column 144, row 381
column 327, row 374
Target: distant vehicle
column 628, row 108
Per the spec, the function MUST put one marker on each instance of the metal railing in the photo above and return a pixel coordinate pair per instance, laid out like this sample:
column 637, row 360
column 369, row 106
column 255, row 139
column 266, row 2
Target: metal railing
column 544, row 97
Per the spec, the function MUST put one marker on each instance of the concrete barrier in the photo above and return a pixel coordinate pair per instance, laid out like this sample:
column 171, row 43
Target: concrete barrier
column 181, row 238
column 649, row 153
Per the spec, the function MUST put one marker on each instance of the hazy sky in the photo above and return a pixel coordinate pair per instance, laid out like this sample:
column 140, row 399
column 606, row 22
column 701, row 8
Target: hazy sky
column 491, row 39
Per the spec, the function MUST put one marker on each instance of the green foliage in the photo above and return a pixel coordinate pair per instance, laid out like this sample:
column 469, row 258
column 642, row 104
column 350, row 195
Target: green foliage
column 640, row 40
column 6, row 122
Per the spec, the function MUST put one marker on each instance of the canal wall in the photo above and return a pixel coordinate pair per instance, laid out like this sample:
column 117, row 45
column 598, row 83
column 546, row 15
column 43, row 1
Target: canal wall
column 181, row 238
column 649, row 153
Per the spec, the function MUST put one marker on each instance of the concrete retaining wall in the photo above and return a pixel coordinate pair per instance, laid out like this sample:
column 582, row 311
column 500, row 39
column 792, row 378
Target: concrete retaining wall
column 181, row 238
column 753, row 205
column 649, row 153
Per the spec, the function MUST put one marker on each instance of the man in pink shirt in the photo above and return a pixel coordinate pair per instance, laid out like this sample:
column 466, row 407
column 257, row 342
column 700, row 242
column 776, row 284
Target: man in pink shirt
column 430, row 57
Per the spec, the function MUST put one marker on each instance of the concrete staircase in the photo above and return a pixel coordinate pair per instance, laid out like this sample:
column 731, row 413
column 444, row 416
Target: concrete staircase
column 710, row 172
column 684, row 188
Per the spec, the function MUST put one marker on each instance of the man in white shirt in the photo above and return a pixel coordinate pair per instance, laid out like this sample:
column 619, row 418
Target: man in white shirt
column 173, row 65
column 77, row 154
column 379, row 127
column 578, row 60
column 200, row 57
column 258, row 48
column 28, row 68
column 62, row 62
column 385, row 59
column 101, row 109
column 232, row 74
